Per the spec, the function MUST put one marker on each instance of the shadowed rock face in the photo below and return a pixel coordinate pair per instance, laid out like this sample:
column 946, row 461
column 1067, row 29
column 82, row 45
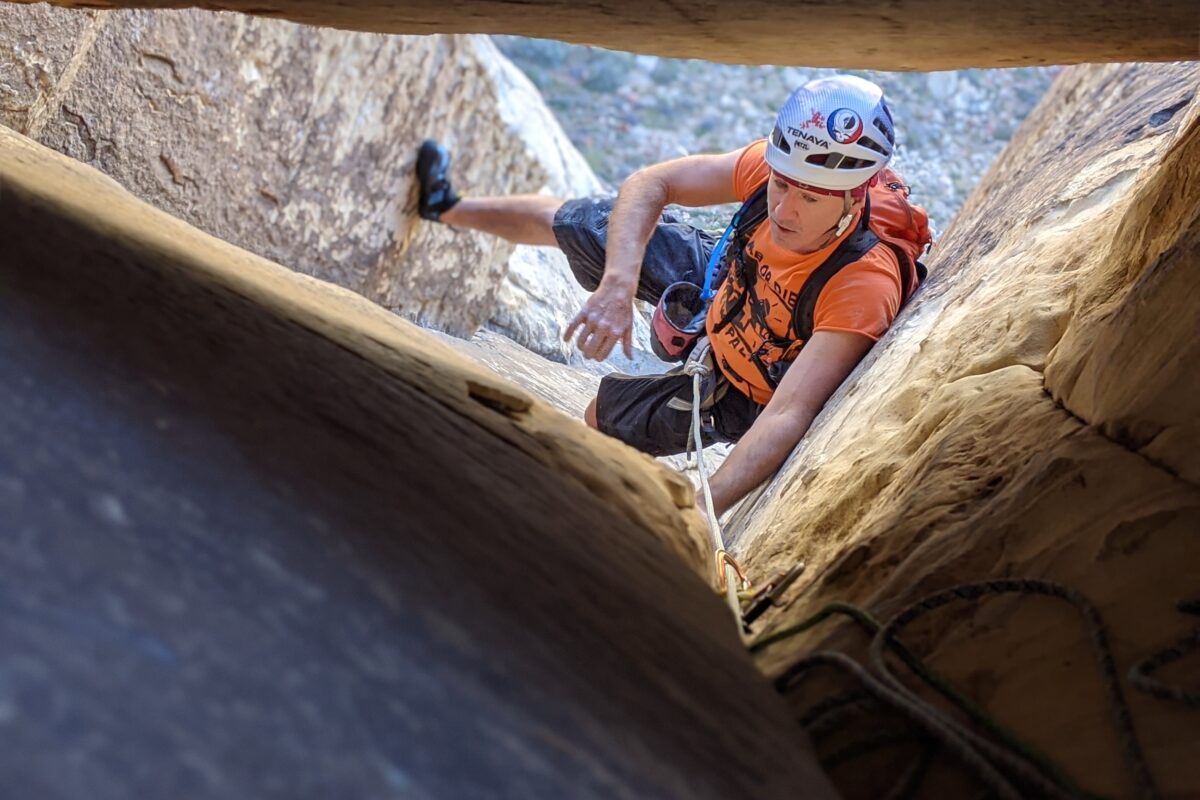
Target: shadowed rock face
column 920, row 34
column 264, row 539
column 1032, row 414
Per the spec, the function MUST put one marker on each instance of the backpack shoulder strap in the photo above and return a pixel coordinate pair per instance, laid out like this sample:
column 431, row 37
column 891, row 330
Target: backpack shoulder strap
column 752, row 213
column 851, row 250
column 907, row 287
column 748, row 217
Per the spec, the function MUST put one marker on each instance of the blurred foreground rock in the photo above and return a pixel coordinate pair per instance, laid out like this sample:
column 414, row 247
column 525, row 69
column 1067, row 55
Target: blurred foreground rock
column 921, row 34
column 263, row 538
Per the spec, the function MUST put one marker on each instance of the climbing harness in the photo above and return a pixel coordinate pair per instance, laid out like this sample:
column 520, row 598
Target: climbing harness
column 1008, row 766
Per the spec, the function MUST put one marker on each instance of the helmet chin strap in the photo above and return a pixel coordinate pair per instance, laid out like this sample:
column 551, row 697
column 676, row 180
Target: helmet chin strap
column 840, row 227
column 844, row 222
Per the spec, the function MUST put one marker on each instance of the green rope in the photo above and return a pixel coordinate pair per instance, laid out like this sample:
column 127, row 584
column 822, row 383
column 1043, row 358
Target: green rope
column 975, row 712
column 1122, row 719
column 1140, row 673
column 861, row 616
column 921, row 714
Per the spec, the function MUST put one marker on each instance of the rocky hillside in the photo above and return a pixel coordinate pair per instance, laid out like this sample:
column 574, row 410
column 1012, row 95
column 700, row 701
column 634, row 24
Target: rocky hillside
column 624, row 111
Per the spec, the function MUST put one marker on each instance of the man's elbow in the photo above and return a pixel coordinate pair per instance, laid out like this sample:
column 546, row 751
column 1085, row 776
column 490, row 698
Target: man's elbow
column 792, row 418
column 648, row 180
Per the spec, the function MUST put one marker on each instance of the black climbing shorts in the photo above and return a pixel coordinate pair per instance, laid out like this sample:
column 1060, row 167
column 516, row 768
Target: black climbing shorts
column 634, row 408
column 676, row 251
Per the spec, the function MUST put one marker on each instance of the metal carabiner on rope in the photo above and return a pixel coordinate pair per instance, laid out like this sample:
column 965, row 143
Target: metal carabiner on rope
column 728, row 573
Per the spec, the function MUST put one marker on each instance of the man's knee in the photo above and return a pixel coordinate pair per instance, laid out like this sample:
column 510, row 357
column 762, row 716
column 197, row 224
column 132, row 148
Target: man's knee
column 589, row 415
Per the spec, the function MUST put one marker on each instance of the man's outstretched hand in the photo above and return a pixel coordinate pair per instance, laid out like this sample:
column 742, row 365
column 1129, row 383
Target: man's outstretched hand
column 605, row 319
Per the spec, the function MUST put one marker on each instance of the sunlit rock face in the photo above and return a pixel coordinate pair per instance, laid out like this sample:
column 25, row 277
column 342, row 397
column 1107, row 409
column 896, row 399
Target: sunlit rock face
column 1034, row 413
column 856, row 34
column 299, row 144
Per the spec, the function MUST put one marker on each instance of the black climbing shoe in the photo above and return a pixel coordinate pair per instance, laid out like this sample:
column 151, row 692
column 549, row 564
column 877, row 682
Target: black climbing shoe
column 433, row 181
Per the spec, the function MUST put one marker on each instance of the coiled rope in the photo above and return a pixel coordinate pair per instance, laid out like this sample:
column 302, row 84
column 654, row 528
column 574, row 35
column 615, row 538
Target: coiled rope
column 1010, row 768
column 1007, row 766
column 1139, row 675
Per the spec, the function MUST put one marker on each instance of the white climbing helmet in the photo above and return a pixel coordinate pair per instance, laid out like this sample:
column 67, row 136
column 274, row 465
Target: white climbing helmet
column 832, row 133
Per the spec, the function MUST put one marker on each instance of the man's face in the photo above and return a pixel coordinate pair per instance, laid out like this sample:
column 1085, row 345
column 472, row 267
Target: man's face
column 800, row 220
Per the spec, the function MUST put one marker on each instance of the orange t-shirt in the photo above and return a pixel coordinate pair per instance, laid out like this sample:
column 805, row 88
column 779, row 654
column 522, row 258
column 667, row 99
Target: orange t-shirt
column 863, row 297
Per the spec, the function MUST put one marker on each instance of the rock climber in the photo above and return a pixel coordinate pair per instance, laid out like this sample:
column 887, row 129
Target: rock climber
column 831, row 140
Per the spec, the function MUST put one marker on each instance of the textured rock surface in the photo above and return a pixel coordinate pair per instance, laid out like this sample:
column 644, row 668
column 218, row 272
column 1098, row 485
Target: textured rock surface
column 947, row 459
column 264, row 538
column 1129, row 362
column 921, row 34
column 539, row 295
column 567, row 388
column 298, row 144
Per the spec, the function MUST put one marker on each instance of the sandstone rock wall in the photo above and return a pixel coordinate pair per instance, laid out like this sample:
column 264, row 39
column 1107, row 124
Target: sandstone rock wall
column 920, row 34
column 299, row 143
column 1032, row 414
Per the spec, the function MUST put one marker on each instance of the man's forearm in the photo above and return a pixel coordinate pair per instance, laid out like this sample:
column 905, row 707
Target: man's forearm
column 758, row 455
column 635, row 213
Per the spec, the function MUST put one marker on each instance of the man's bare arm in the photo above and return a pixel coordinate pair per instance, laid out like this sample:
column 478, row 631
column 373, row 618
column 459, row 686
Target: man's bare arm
column 822, row 365
column 703, row 180
column 692, row 181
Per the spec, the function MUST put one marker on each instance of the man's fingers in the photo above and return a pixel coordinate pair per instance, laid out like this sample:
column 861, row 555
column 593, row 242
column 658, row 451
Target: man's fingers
column 592, row 345
column 599, row 335
column 599, row 342
column 574, row 324
column 585, row 336
column 606, row 346
column 597, row 346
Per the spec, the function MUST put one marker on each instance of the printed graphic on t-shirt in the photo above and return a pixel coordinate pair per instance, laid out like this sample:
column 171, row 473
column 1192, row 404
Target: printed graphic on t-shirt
column 753, row 331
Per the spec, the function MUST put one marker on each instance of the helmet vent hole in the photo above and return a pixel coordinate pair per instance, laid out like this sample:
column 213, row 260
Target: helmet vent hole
column 779, row 141
column 887, row 112
column 886, row 130
column 871, row 144
column 839, row 161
